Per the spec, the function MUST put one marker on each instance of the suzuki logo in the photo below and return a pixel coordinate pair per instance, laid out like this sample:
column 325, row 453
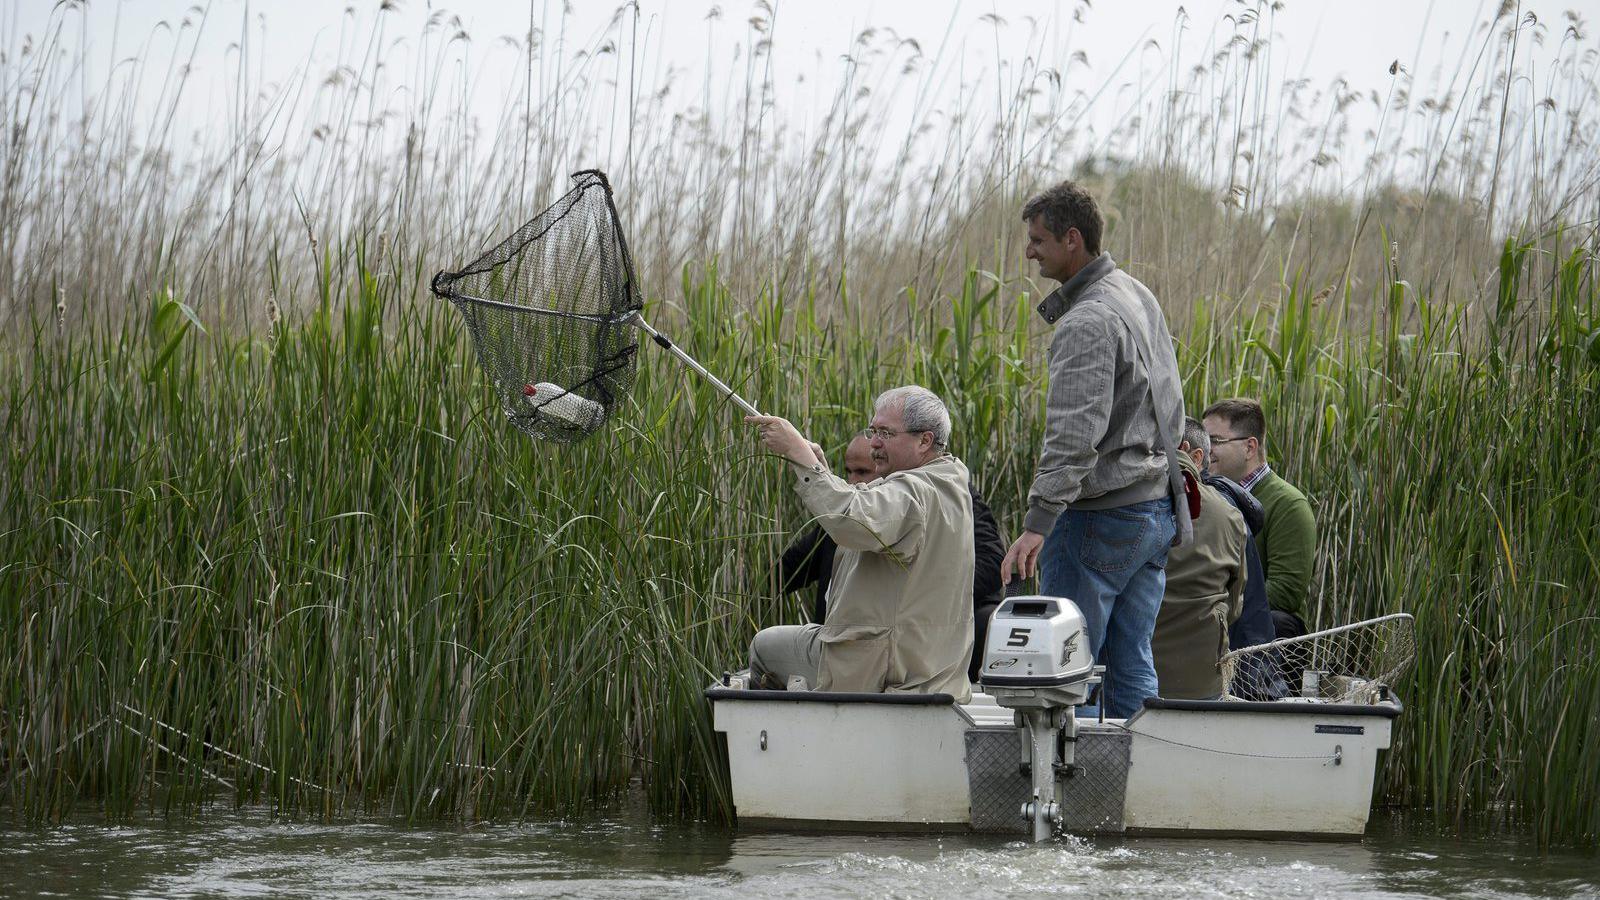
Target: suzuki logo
column 1002, row 664
column 1066, row 647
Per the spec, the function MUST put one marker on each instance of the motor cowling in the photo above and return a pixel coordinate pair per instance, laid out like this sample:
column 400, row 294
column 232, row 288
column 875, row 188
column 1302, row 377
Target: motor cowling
column 1037, row 642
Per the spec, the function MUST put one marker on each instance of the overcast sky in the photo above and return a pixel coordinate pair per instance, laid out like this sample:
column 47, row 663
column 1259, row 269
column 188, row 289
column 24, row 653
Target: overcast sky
column 1319, row 40
column 1357, row 39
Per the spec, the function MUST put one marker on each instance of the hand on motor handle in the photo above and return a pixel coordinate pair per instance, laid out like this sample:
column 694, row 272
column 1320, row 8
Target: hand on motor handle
column 1023, row 555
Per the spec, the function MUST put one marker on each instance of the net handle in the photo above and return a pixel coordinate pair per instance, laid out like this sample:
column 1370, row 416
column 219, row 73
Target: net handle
column 666, row 344
column 637, row 318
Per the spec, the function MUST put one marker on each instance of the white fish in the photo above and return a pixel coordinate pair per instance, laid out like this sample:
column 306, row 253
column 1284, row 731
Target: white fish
column 560, row 404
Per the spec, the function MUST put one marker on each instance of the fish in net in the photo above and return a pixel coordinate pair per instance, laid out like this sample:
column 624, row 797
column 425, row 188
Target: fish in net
column 554, row 312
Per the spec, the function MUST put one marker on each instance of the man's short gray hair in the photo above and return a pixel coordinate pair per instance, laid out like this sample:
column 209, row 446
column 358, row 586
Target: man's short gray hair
column 922, row 411
column 1196, row 436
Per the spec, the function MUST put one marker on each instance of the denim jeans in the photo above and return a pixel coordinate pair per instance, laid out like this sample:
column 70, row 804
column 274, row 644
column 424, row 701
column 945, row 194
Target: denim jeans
column 1112, row 563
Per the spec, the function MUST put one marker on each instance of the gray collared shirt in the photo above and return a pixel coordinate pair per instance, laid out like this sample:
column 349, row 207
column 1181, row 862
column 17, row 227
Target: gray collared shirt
column 1102, row 446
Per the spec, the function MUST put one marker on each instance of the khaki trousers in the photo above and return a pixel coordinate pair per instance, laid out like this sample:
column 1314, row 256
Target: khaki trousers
column 781, row 651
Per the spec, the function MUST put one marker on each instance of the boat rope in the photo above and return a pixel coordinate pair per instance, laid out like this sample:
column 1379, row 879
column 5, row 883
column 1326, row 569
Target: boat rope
column 1334, row 756
column 213, row 748
column 171, row 752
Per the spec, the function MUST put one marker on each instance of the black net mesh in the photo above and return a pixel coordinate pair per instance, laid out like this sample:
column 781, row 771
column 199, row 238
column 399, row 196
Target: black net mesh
column 550, row 313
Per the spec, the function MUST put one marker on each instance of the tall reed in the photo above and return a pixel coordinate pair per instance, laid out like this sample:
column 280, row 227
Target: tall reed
column 264, row 538
column 315, row 567
column 1231, row 178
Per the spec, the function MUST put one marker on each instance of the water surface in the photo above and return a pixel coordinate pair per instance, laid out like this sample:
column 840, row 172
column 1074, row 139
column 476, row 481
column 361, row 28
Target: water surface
column 251, row 854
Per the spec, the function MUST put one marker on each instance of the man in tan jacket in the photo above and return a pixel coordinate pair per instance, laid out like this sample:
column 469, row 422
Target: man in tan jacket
column 900, row 603
column 1204, row 591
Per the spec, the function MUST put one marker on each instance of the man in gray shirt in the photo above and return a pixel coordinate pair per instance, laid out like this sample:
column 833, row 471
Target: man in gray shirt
column 1108, row 499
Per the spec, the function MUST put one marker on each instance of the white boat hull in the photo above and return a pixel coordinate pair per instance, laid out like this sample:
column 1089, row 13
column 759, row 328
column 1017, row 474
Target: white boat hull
column 825, row 762
column 1291, row 768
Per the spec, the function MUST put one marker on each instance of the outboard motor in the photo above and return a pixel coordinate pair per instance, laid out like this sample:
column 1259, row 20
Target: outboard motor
column 1037, row 664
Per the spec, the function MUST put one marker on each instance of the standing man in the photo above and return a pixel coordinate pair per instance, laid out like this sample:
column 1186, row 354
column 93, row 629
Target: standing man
column 1288, row 539
column 1108, row 499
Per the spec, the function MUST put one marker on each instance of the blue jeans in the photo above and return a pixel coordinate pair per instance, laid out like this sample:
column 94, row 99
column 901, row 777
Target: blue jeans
column 1112, row 563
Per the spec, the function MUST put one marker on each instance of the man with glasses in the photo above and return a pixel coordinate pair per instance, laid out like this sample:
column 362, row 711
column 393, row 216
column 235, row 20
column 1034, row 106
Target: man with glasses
column 808, row 560
column 1201, row 615
column 899, row 615
column 1288, row 539
column 1108, row 497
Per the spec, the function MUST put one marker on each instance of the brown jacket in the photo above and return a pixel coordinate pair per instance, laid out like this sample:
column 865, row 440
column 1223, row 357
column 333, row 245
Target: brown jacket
column 900, row 603
column 1205, row 593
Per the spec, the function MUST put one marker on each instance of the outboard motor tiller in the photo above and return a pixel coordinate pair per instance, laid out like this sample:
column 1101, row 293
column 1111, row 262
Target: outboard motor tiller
column 1037, row 664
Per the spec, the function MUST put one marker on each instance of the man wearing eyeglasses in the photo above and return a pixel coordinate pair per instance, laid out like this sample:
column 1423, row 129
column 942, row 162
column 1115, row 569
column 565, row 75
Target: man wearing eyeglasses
column 899, row 613
column 1288, row 539
column 1108, row 498
column 808, row 559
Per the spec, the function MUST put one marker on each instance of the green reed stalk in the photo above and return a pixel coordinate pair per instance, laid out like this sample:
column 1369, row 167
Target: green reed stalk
column 317, row 570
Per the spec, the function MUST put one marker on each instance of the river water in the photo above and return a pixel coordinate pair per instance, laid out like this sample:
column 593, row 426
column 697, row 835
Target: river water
column 251, row 854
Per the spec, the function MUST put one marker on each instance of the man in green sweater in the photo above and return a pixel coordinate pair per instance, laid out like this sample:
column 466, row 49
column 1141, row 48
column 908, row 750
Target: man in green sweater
column 1288, row 540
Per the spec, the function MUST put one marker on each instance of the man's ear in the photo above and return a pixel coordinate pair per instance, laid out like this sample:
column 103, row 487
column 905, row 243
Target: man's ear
column 1190, row 451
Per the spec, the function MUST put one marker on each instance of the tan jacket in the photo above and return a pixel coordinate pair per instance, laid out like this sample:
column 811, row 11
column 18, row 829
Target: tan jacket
column 1205, row 594
column 900, row 604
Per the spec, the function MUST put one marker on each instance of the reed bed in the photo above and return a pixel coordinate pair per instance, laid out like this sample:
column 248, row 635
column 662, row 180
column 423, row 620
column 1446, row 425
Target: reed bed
column 263, row 537
column 316, row 568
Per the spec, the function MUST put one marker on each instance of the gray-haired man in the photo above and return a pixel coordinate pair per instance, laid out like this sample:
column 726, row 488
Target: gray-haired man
column 900, row 605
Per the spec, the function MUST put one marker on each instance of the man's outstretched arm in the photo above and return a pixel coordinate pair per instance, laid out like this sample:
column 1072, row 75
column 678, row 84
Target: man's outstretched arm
column 887, row 517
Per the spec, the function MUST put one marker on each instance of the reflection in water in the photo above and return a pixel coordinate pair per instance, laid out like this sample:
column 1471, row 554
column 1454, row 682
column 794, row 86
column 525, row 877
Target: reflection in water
column 248, row 854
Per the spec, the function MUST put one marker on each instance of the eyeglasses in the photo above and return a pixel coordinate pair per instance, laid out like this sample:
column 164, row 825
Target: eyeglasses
column 882, row 434
column 1222, row 440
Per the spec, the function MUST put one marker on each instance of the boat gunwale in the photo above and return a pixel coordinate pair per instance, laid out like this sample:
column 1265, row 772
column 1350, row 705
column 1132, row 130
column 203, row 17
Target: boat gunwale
column 1390, row 708
column 895, row 699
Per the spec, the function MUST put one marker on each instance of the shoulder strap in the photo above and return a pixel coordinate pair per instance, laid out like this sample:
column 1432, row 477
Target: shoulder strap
column 1140, row 329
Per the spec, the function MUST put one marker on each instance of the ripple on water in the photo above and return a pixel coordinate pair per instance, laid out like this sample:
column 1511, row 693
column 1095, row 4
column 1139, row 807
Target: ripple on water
column 251, row 855
column 1070, row 868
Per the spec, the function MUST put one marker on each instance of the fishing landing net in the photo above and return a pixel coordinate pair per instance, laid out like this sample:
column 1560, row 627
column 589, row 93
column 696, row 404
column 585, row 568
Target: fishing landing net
column 554, row 313
column 1349, row 664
